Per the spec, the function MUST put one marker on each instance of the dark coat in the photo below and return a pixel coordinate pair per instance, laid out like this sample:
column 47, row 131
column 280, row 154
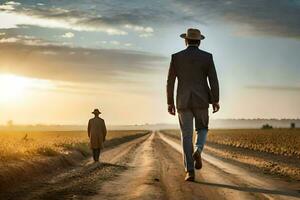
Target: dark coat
column 96, row 132
column 193, row 68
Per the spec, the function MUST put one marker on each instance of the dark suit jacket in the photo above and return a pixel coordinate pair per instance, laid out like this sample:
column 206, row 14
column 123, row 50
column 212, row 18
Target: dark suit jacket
column 193, row 68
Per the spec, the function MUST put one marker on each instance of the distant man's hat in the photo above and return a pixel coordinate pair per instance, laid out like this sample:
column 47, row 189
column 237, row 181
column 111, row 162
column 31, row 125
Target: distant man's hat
column 192, row 34
column 96, row 111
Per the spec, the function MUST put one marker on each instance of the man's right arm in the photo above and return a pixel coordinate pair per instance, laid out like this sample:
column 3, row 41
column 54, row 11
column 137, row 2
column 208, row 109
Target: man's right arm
column 170, row 87
column 214, row 85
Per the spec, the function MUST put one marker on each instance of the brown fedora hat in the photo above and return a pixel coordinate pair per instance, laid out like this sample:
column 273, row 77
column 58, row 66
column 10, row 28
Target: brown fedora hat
column 192, row 34
column 96, row 111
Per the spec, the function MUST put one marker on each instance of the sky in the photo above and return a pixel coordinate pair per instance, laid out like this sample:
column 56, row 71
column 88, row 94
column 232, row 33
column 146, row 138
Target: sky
column 61, row 59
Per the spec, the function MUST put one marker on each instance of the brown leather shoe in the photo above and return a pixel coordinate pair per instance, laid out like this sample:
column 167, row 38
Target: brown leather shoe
column 198, row 160
column 190, row 176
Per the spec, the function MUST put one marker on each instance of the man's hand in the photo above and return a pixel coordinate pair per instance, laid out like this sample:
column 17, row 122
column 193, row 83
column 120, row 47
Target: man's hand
column 216, row 107
column 171, row 109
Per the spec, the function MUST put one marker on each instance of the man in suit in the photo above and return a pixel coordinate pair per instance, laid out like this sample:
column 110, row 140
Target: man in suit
column 97, row 133
column 193, row 69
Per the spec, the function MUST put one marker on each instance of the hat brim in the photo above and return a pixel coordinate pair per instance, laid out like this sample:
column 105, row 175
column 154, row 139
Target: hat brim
column 184, row 36
column 96, row 112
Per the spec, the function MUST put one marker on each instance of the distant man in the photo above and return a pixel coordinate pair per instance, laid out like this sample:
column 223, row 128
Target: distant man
column 193, row 68
column 97, row 133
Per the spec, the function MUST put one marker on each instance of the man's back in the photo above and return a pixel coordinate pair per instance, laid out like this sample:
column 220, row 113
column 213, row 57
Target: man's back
column 192, row 67
column 96, row 125
column 97, row 132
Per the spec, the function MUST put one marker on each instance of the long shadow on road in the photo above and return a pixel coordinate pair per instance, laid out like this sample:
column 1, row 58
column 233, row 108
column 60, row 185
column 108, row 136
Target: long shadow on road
column 252, row 189
column 78, row 182
column 120, row 140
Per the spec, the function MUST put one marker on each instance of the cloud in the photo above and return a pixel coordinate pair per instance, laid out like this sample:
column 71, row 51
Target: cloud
column 9, row 40
column 143, row 31
column 145, row 35
column 28, row 40
column 112, row 17
column 54, row 18
column 13, row 3
column 68, row 35
column 274, row 87
column 140, row 28
column 276, row 18
column 49, row 52
column 265, row 17
column 128, row 44
column 115, row 42
column 40, row 59
column 73, row 19
column 6, row 7
column 10, row 5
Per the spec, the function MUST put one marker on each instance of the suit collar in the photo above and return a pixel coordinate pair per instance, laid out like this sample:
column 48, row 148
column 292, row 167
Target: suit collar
column 192, row 47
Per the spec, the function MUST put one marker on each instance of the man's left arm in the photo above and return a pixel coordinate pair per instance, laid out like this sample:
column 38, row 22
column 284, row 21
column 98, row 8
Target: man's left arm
column 214, row 85
column 104, row 131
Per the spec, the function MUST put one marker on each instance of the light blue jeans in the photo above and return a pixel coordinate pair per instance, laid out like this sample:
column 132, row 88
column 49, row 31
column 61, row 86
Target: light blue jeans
column 186, row 121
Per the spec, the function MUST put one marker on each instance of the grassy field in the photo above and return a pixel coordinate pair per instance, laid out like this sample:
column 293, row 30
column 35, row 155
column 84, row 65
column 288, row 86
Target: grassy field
column 20, row 145
column 284, row 142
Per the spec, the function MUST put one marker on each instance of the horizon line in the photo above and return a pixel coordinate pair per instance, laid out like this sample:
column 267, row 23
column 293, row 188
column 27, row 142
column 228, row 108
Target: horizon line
column 147, row 124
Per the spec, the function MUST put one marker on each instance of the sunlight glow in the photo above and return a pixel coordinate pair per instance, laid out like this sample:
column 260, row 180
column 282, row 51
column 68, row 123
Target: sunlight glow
column 14, row 87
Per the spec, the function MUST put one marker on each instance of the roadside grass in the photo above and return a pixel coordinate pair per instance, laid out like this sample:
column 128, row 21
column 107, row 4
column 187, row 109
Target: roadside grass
column 46, row 151
column 25, row 156
column 82, row 147
column 24, row 145
column 285, row 142
column 272, row 151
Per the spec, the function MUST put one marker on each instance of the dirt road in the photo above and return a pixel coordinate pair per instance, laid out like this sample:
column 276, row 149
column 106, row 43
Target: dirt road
column 150, row 167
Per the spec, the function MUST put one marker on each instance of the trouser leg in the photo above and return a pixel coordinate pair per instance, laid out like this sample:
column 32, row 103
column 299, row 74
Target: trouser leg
column 200, row 139
column 95, row 154
column 201, row 122
column 186, row 126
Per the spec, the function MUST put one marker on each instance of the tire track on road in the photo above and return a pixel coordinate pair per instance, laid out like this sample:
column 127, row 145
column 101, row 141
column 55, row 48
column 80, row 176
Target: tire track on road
column 238, row 180
column 235, row 182
column 172, row 175
column 140, row 181
column 81, row 181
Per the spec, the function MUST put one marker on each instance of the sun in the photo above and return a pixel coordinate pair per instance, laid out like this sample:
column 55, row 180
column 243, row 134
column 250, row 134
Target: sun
column 12, row 87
